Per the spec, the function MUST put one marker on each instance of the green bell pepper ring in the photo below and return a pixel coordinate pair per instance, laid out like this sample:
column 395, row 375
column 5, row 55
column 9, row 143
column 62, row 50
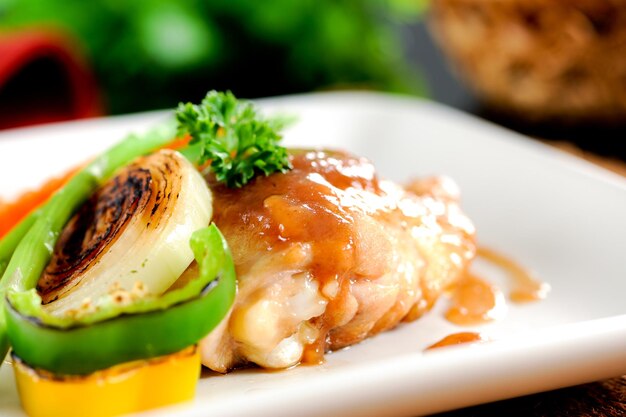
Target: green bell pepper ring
column 114, row 334
column 26, row 249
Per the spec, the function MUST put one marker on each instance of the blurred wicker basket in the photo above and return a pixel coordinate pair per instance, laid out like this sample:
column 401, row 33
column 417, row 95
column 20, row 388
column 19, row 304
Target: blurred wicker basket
column 540, row 60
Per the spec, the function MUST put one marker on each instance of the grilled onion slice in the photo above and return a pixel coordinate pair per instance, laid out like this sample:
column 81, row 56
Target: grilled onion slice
column 130, row 238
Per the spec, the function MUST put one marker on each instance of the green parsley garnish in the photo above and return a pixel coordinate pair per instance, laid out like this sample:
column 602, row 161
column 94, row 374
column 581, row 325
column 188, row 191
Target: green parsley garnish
column 231, row 134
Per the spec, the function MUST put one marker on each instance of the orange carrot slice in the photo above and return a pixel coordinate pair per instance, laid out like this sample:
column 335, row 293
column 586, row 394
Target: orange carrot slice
column 12, row 212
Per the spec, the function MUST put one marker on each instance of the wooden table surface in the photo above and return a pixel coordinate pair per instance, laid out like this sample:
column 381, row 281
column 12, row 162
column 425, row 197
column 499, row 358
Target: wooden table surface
column 597, row 399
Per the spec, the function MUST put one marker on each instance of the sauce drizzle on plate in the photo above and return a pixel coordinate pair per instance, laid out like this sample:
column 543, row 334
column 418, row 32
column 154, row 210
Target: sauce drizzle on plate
column 475, row 301
column 457, row 339
column 526, row 287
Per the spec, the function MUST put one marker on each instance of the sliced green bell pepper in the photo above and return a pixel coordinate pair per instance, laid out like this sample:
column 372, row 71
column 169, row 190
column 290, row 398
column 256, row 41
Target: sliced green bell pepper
column 114, row 334
column 25, row 250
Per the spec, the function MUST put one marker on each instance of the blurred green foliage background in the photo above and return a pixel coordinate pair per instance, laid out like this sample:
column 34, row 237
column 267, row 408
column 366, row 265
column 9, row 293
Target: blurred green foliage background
column 153, row 53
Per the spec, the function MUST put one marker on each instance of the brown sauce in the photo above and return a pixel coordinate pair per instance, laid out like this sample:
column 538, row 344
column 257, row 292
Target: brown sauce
column 457, row 339
column 325, row 205
column 526, row 287
column 314, row 353
column 475, row 301
column 302, row 207
column 280, row 210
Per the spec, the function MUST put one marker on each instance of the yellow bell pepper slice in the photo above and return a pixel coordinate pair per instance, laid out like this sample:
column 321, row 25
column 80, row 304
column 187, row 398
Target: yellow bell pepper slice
column 126, row 388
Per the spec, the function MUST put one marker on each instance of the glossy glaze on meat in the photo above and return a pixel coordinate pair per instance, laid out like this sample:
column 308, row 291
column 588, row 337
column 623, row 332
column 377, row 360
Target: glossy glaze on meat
column 327, row 255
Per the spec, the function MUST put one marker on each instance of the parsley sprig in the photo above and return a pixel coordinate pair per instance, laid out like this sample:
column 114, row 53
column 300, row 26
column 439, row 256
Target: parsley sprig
column 231, row 134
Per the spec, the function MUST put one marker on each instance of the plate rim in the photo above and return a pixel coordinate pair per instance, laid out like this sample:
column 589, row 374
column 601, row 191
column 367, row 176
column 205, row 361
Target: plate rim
column 615, row 325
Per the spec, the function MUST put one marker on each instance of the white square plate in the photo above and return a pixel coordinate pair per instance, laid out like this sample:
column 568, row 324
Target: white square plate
column 555, row 214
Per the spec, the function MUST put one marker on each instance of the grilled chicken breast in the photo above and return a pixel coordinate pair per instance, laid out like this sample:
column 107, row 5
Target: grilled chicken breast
column 327, row 255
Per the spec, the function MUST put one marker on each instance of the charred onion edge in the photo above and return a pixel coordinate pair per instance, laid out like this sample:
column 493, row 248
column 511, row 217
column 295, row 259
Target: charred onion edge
column 147, row 211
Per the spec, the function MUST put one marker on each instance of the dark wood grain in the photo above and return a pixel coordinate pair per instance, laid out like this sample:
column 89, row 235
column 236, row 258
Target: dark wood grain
column 598, row 399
